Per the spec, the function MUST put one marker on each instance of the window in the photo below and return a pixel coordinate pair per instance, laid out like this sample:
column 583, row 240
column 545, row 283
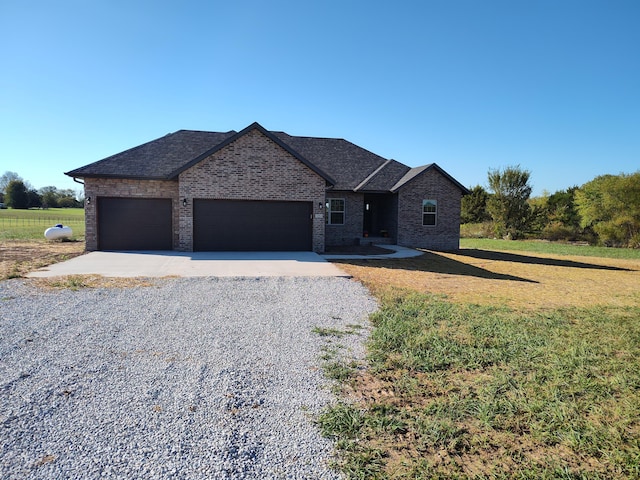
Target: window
column 429, row 212
column 335, row 211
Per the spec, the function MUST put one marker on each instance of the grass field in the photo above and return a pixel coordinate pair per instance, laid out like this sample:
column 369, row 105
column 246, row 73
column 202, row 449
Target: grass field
column 549, row 248
column 490, row 363
column 31, row 224
column 23, row 247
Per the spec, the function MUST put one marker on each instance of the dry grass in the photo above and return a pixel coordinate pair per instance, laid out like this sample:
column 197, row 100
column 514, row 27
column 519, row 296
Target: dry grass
column 457, row 386
column 75, row 282
column 529, row 281
column 19, row 257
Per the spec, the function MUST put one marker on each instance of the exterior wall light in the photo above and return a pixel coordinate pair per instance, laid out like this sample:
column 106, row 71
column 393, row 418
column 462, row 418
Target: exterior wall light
column 184, row 202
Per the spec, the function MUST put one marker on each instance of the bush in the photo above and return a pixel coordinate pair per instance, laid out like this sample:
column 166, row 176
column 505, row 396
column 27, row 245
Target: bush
column 556, row 231
column 477, row 230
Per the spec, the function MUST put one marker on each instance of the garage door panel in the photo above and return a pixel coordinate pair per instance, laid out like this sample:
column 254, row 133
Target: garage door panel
column 233, row 225
column 134, row 224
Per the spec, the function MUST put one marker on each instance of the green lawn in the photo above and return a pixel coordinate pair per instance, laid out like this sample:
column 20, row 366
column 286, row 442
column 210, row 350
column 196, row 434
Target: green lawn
column 31, row 224
column 554, row 248
column 464, row 391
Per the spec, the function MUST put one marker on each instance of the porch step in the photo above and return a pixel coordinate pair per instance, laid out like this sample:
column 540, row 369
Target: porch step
column 376, row 240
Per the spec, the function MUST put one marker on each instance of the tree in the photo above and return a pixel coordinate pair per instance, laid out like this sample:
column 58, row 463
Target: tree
column 49, row 197
column 67, row 199
column 474, row 206
column 508, row 205
column 6, row 178
column 17, row 195
column 35, row 199
column 610, row 204
column 562, row 208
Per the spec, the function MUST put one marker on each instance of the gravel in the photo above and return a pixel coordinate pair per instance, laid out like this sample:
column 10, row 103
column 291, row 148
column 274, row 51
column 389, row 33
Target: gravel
column 188, row 378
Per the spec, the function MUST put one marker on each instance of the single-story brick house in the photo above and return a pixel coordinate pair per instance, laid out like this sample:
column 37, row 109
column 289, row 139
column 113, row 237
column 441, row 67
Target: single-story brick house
column 263, row 190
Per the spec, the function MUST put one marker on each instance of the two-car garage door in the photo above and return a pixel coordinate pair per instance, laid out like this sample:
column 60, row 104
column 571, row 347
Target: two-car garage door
column 243, row 225
column 218, row 225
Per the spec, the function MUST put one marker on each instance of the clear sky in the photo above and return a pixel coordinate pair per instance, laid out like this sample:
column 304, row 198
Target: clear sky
column 473, row 85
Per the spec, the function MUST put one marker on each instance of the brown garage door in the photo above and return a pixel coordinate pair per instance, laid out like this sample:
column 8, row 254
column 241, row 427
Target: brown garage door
column 134, row 224
column 239, row 225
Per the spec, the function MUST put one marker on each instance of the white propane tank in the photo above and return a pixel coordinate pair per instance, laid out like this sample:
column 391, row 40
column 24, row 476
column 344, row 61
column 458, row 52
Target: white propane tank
column 59, row 231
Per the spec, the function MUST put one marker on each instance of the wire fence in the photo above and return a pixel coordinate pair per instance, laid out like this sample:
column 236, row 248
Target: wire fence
column 8, row 222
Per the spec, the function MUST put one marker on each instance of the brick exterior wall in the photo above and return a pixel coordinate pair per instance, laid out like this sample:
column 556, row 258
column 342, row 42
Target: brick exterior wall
column 255, row 168
column 337, row 235
column 430, row 185
column 115, row 187
column 251, row 168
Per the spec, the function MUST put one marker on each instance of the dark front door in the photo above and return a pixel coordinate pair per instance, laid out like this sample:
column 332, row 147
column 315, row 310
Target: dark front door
column 134, row 223
column 247, row 225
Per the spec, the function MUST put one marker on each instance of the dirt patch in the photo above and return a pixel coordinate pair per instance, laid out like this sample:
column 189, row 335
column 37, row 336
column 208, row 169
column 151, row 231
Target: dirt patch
column 472, row 450
column 75, row 282
column 504, row 278
column 18, row 258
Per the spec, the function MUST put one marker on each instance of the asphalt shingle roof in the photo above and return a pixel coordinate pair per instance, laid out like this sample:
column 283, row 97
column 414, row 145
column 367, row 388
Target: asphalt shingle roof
column 347, row 163
column 157, row 159
column 343, row 164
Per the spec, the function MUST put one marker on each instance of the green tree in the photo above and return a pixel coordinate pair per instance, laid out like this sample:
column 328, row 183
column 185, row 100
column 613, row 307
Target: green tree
column 67, row 199
column 562, row 208
column 16, row 194
column 49, row 197
column 474, row 206
column 35, row 199
column 555, row 217
column 610, row 204
column 508, row 205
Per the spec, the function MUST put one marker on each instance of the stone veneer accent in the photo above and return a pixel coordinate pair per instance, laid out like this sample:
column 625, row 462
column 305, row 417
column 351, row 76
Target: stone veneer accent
column 253, row 167
column 118, row 187
column 430, row 185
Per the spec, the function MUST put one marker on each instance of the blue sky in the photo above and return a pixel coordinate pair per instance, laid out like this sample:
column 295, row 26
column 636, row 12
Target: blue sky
column 552, row 86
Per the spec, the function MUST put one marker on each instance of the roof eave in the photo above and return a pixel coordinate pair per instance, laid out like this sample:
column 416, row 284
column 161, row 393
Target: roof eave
column 75, row 174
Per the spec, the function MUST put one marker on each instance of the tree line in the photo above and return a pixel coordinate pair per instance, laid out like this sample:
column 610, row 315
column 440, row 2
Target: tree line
column 18, row 193
column 604, row 211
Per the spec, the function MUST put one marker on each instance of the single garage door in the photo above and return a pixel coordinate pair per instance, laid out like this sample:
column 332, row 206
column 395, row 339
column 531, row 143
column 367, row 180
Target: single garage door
column 242, row 225
column 134, row 224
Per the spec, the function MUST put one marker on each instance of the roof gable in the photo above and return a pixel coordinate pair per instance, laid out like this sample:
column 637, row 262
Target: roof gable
column 266, row 133
column 416, row 172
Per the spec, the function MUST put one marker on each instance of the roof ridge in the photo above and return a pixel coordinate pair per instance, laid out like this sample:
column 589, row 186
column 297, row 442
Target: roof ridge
column 201, row 131
column 309, row 137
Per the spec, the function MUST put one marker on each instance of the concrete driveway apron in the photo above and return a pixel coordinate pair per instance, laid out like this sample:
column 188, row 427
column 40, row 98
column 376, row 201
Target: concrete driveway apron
column 194, row 264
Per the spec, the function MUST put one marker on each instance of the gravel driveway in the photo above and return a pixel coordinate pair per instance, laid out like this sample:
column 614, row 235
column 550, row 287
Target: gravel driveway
column 189, row 378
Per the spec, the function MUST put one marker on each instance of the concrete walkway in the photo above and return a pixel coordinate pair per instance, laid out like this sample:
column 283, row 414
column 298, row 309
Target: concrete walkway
column 194, row 264
column 398, row 252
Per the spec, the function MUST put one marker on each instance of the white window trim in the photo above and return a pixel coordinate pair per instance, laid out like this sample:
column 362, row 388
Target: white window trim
column 435, row 214
column 343, row 211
